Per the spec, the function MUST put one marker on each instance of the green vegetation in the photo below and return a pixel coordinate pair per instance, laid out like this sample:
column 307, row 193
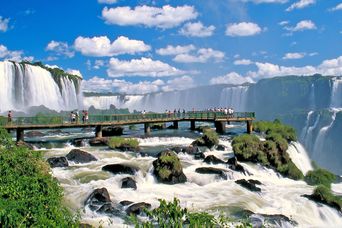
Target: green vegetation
column 209, row 139
column 117, row 142
column 29, row 195
column 320, row 177
column 171, row 214
column 272, row 151
column 323, row 194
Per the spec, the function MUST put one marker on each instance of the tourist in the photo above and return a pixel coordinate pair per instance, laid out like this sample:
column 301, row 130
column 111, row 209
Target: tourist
column 86, row 116
column 83, row 116
column 9, row 116
column 73, row 117
column 77, row 116
column 226, row 111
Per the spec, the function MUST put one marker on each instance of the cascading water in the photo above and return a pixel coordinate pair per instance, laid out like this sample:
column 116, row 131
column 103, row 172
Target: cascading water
column 234, row 97
column 299, row 157
column 23, row 86
column 336, row 93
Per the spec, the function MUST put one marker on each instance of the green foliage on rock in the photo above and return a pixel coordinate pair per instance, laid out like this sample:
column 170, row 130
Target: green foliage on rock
column 320, row 177
column 272, row 151
column 117, row 142
column 171, row 214
column 29, row 195
column 323, row 194
column 209, row 139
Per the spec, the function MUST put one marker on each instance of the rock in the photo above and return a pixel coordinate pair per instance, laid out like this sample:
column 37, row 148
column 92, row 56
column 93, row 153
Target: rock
column 187, row 150
column 158, row 126
column 126, row 203
column 78, row 142
column 211, row 159
column 112, row 131
column 58, row 162
column 97, row 199
column 212, row 170
column 250, row 185
column 84, row 225
column 24, row 145
column 108, row 208
column 56, row 131
column 128, row 182
column 199, row 155
column 232, row 161
column 80, row 156
column 255, row 182
column 126, row 147
column 238, row 168
column 221, row 147
column 120, row 169
column 32, row 134
column 137, row 208
column 168, row 168
column 98, row 142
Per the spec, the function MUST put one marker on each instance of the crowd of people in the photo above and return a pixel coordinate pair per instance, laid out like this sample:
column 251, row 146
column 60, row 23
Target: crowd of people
column 74, row 116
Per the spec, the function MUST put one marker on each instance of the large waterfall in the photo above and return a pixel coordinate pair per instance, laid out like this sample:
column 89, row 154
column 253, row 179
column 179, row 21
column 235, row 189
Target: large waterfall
column 23, row 86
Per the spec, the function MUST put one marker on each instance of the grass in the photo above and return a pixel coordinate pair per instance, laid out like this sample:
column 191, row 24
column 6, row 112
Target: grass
column 116, row 142
column 209, row 139
column 29, row 195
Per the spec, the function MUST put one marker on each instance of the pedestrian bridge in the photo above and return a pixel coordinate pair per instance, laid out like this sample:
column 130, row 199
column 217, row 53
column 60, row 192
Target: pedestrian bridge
column 19, row 124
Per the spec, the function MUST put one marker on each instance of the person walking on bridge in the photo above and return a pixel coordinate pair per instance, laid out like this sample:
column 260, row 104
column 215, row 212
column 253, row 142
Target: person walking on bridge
column 9, row 116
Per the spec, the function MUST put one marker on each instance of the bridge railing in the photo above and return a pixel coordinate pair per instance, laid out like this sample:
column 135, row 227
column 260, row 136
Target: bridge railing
column 62, row 120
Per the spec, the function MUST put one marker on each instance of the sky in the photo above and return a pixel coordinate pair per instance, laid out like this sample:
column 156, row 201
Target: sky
column 143, row 46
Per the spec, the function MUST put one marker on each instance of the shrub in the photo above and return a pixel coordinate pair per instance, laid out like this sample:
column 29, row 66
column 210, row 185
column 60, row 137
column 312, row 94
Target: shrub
column 320, row 177
column 323, row 194
column 209, row 139
column 29, row 195
column 116, row 142
column 246, row 147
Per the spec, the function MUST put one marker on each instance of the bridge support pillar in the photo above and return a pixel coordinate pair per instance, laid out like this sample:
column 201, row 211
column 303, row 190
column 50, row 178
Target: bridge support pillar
column 147, row 128
column 249, row 126
column 98, row 131
column 20, row 134
column 175, row 124
column 220, row 126
column 192, row 125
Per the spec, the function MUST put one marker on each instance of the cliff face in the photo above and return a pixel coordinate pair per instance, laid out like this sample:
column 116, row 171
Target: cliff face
column 23, row 85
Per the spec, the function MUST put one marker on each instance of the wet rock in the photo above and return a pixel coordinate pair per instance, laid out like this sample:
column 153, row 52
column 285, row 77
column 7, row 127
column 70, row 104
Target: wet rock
column 80, row 156
column 221, row 147
column 56, row 131
column 126, row 147
column 211, row 159
column 32, row 134
column 120, row 169
column 78, row 142
column 187, row 149
column 238, row 168
column 256, row 182
column 85, row 225
column 212, row 170
column 137, row 208
column 199, row 155
column 232, row 161
column 250, row 185
column 98, row 142
column 128, row 182
column 263, row 220
column 58, row 162
column 24, row 145
column 112, row 131
column 108, row 209
column 97, row 199
column 158, row 126
column 168, row 168
column 126, row 203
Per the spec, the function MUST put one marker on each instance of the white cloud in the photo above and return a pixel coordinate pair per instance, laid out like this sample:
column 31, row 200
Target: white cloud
column 231, row 78
column 99, row 63
column 175, row 50
column 4, row 24
column 301, row 4
column 266, row 1
column 165, row 17
column 101, row 46
column 302, row 25
column 197, row 29
column 107, row 1
column 294, row 55
column 283, row 23
column 338, row 7
column 61, row 48
column 179, row 83
column 202, row 56
column 74, row 72
column 16, row 56
column 141, row 67
column 243, row 29
column 243, row 62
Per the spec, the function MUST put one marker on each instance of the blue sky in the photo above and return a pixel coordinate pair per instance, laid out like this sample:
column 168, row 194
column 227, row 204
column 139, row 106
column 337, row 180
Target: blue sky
column 146, row 46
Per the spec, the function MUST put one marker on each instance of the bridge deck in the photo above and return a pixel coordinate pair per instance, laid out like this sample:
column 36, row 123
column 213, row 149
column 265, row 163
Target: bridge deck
column 109, row 120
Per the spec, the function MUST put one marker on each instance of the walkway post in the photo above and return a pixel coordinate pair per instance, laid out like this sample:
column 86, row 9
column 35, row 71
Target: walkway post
column 249, row 126
column 220, row 126
column 192, row 125
column 98, row 131
column 175, row 124
column 147, row 128
column 20, row 134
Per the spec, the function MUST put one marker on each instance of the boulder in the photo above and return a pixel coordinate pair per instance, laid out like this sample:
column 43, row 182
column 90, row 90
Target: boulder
column 126, row 203
column 97, row 199
column 199, row 155
column 232, row 161
column 158, row 126
column 80, row 156
column 24, row 145
column 128, row 182
column 168, row 168
column 126, row 147
column 98, row 142
column 108, row 209
column 58, row 162
column 209, row 139
column 78, row 142
column 211, row 159
column 137, row 208
column 250, row 185
column 120, row 169
column 112, row 131
column 212, row 170
column 238, row 168
column 221, row 147
column 32, row 134
column 187, row 149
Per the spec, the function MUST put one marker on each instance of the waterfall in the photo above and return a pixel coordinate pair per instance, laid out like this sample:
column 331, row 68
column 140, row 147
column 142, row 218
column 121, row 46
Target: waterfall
column 312, row 97
column 234, row 97
column 299, row 157
column 307, row 138
column 23, row 86
column 336, row 93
